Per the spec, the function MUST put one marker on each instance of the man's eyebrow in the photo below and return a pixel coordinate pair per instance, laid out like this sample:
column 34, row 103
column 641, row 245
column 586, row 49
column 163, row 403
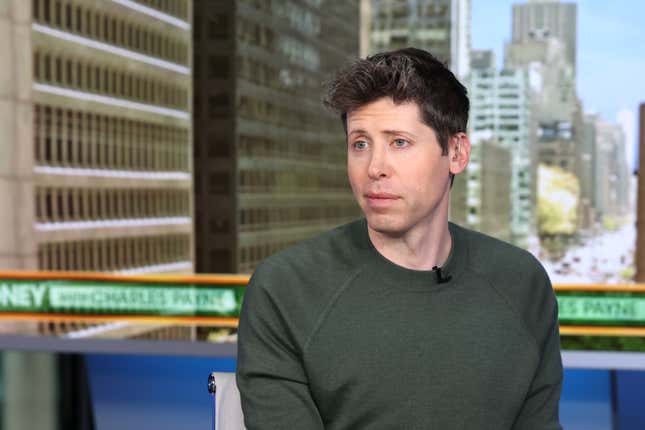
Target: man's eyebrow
column 388, row 132
column 358, row 131
column 399, row 132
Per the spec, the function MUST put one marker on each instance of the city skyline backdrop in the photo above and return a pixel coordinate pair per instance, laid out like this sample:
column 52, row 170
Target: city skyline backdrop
column 601, row 54
column 179, row 137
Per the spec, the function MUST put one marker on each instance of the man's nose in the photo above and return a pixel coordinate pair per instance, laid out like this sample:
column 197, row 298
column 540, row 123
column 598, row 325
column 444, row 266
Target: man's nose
column 378, row 164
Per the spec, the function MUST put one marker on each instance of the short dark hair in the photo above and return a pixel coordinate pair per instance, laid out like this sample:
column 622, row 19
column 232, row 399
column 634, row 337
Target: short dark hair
column 406, row 75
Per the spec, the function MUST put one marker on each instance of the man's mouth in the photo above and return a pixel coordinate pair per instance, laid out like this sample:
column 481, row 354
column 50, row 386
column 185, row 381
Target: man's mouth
column 380, row 200
column 381, row 196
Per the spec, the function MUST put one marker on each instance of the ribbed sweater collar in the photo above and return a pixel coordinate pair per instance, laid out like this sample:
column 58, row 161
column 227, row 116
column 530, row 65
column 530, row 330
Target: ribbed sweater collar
column 390, row 272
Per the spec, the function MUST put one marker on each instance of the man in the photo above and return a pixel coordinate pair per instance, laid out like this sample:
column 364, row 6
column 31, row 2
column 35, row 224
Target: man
column 400, row 320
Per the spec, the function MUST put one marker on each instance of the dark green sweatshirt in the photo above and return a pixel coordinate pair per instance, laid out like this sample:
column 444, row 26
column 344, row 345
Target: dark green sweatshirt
column 333, row 335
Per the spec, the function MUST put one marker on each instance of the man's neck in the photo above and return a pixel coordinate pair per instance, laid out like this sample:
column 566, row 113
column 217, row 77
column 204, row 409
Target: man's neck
column 421, row 248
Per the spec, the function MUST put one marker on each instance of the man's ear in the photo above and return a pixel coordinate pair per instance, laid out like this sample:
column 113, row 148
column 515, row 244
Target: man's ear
column 458, row 152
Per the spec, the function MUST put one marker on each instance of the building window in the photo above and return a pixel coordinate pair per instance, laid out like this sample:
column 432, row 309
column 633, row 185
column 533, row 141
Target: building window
column 219, row 183
column 218, row 67
column 218, row 26
column 57, row 13
column 218, row 105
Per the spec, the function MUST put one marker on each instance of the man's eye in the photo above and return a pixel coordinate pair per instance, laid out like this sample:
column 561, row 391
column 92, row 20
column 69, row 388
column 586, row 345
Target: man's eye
column 401, row 143
column 360, row 144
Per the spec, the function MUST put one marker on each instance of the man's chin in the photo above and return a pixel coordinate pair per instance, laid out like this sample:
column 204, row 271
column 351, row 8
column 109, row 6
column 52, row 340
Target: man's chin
column 388, row 225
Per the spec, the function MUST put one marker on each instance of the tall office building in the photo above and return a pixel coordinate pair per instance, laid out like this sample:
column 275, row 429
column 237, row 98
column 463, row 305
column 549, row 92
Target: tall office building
column 482, row 59
column 439, row 26
column 640, row 219
column 557, row 145
column 480, row 195
column 365, row 27
column 95, row 144
column 270, row 166
column 96, row 135
column 587, row 169
column 557, row 111
column 544, row 43
column 612, row 174
column 547, row 18
column 501, row 105
column 552, row 78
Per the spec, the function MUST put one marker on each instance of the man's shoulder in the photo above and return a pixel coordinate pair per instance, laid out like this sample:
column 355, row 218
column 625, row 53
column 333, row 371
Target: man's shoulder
column 295, row 284
column 327, row 245
column 490, row 255
column 515, row 275
column 322, row 259
column 513, row 272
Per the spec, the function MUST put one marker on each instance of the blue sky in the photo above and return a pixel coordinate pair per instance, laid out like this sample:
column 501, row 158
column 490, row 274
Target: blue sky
column 611, row 49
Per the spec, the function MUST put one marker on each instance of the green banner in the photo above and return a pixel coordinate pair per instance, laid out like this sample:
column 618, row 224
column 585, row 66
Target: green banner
column 82, row 297
column 596, row 309
column 169, row 299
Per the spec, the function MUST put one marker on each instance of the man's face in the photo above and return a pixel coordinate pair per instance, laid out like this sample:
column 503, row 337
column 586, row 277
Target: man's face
column 395, row 166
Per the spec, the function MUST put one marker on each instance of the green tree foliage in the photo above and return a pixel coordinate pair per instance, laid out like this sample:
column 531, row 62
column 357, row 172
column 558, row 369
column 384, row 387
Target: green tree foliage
column 558, row 196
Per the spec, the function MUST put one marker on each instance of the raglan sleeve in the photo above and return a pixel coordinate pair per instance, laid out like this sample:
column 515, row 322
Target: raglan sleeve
column 540, row 410
column 271, row 378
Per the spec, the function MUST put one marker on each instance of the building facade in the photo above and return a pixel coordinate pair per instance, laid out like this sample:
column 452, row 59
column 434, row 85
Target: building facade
column 547, row 18
column 587, row 168
column 501, row 106
column 640, row 215
column 97, row 111
column 95, row 165
column 612, row 173
column 270, row 166
column 480, row 195
column 482, row 59
column 556, row 110
column 439, row 26
column 552, row 79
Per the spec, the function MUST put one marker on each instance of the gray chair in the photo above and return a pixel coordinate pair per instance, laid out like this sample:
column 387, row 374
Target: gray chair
column 227, row 408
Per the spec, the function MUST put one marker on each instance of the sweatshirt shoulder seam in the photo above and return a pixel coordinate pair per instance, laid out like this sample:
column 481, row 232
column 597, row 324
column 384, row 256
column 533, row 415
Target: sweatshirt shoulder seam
column 512, row 308
column 329, row 306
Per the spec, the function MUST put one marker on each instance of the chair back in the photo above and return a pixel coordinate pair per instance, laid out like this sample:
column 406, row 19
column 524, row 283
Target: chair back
column 227, row 408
